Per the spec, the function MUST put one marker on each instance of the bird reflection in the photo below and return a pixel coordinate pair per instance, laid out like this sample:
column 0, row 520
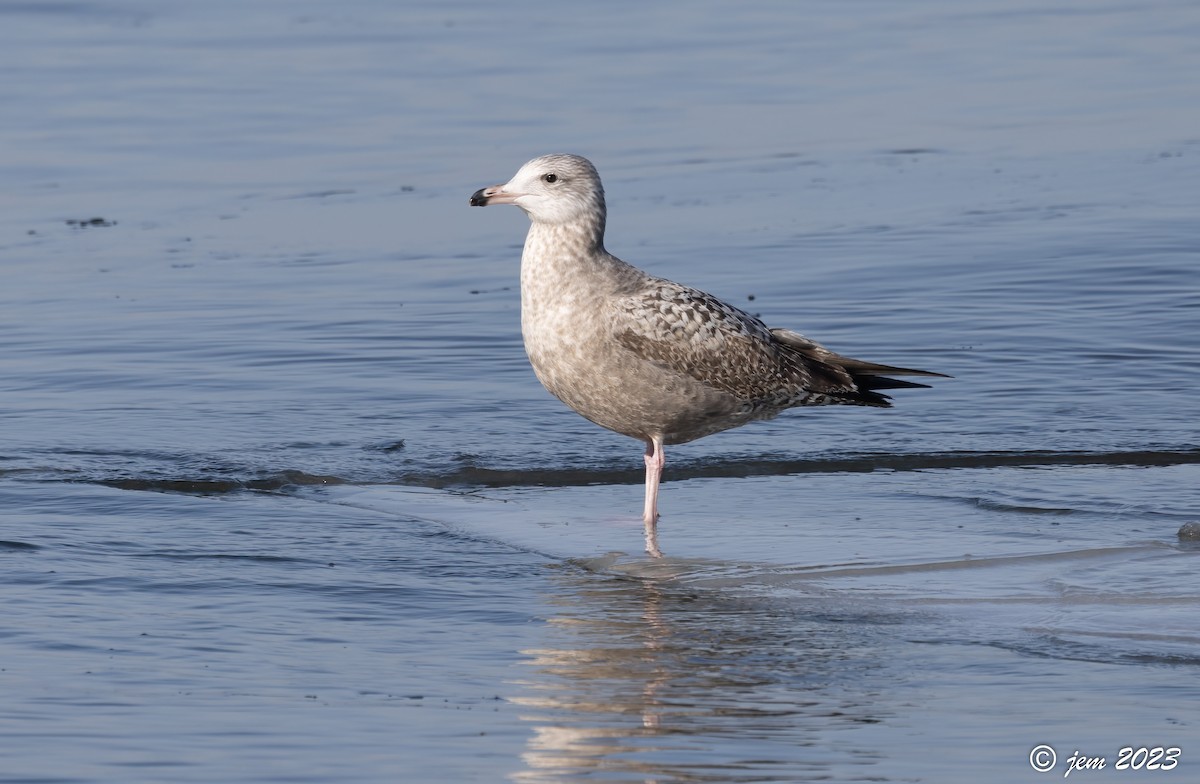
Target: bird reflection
column 656, row 682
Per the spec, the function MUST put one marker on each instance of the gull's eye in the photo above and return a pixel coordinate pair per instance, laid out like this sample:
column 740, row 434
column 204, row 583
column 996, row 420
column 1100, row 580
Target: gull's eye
column 552, row 177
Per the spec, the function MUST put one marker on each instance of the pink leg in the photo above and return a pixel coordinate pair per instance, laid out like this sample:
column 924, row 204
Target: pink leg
column 655, row 460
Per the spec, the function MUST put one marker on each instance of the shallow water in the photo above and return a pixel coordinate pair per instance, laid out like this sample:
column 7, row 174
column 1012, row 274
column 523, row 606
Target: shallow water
column 280, row 499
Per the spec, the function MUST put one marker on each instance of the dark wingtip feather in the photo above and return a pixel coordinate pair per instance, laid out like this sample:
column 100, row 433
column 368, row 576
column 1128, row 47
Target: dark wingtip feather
column 861, row 368
column 883, row 382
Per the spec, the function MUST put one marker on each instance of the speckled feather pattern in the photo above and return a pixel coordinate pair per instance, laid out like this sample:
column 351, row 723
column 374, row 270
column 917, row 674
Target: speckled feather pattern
column 644, row 356
column 696, row 334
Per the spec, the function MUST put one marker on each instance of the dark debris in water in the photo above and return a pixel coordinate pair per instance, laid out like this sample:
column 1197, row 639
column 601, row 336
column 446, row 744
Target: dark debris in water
column 89, row 222
column 222, row 485
column 255, row 557
column 470, row 473
column 325, row 194
column 1190, row 533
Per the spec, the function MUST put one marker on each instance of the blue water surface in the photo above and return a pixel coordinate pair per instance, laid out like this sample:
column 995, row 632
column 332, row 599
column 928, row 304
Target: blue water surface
column 282, row 501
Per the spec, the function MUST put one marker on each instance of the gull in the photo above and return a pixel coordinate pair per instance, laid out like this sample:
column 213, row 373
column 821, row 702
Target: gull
column 644, row 356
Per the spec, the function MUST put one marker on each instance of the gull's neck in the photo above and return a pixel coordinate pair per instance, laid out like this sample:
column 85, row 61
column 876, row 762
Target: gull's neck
column 565, row 266
column 556, row 244
column 583, row 236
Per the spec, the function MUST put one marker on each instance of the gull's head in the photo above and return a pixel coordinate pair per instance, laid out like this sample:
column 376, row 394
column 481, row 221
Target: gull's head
column 554, row 189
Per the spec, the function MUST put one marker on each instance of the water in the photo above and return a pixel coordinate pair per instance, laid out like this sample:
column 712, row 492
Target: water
column 280, row 499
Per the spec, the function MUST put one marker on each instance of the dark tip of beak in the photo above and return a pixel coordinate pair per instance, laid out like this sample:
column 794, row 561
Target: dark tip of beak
column 478, row 199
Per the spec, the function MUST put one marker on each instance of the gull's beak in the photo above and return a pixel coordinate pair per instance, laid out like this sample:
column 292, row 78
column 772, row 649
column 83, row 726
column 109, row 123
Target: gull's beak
column 494, row 194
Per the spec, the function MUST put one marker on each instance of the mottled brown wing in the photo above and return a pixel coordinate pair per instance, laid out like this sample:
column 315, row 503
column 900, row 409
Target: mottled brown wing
column 699, row 336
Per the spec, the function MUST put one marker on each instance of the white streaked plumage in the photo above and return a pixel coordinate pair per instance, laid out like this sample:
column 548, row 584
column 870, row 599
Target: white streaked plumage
column 647, row 357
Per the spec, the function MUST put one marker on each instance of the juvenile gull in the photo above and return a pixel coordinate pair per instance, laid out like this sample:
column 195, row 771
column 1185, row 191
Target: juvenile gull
column 647, row 357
